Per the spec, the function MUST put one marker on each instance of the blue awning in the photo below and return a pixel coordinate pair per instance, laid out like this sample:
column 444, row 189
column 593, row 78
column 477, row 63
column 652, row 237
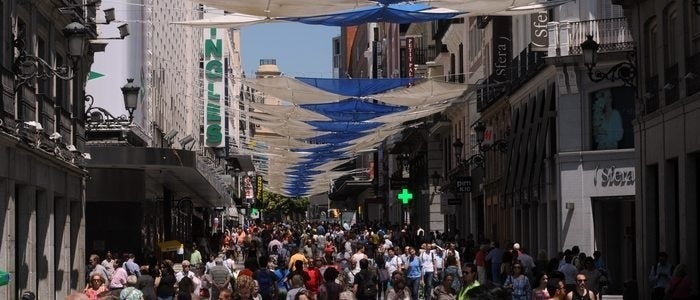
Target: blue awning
column 343, row 126
column 354, row 110
column 401, row 13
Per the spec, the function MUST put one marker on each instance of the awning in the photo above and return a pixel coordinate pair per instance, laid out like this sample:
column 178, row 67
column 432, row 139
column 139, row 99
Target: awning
column 168, row 246
column 182, row 172
column 244, row 162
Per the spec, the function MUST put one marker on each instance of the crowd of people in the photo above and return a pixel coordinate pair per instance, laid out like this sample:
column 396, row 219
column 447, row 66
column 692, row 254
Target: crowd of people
column 320, row 261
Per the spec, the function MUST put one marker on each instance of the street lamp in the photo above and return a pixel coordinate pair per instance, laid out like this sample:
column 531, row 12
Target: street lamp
column 624, row 71
column 436, row 178
column 95, row 115
column 476, row 159
column 27, row 66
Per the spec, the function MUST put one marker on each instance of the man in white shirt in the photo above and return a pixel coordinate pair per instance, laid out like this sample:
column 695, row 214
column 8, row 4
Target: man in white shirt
column 427, row 259
column 186, row 272
column 108, row 264
column 393, row 262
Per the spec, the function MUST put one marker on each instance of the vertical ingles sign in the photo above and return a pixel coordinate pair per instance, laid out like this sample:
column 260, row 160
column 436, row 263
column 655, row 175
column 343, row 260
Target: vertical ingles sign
column 213, row 76
column 410, row 57
column 502, row 49
column 538, row 31
column 258, row 187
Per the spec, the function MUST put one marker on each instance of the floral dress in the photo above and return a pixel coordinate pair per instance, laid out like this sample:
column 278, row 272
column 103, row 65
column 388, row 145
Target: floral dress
column 521, row 287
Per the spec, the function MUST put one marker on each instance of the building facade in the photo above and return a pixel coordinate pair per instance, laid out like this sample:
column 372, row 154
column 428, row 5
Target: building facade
column 666, row 134
column 42, row 174
column 179, row 155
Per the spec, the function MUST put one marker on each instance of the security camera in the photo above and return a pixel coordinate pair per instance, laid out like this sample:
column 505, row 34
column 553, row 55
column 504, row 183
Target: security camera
column 72, row 148
column 35, row 124
column 186, row 140
column 86, row 156
column 170, row 135
column 55, row 136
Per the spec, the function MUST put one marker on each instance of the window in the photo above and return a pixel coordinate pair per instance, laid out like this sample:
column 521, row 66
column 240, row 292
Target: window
column 694, row 28
column 670, row 38
column 608, row 10
column 650, row 59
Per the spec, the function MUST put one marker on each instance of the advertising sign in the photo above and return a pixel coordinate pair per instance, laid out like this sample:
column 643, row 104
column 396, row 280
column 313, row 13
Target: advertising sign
column 538, row 31
column 410, row 57
column 463, row 184
column 502, row 48
column 214, row 81
column 258, row 187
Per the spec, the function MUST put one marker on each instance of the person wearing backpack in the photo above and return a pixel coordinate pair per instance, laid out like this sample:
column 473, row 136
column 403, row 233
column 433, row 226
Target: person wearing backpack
column 267, row 281
column 366, row 283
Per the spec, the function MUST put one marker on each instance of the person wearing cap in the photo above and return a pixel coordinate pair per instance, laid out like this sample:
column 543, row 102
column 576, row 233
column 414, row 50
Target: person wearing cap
column 516, row 250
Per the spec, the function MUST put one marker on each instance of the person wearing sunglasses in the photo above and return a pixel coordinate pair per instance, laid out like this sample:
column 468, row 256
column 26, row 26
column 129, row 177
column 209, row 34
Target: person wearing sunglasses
column 581, row 292
column 95, row 286
column 518, row 283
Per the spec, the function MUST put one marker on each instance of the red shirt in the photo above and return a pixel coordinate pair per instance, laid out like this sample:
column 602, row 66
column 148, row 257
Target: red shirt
column 480, row 258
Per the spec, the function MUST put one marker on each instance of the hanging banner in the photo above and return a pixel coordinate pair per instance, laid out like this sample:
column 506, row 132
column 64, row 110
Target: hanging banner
column 258, row 187
column 410, row 57
column 502, row 48
column 214, row 81
column 248, row 188
column 538, row 31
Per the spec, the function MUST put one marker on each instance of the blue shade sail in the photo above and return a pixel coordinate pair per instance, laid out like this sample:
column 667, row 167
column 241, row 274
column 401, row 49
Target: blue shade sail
column 336, row 137
column 360, row 87
column 343, row 126
column 355, row 110
column 394, row 13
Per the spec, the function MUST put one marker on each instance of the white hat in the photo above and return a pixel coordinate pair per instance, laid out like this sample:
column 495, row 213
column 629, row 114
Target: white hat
column 516, row 246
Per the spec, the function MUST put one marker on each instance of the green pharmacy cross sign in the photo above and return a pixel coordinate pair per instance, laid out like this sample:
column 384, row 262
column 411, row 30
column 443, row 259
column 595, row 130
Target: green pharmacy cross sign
column 405, row 196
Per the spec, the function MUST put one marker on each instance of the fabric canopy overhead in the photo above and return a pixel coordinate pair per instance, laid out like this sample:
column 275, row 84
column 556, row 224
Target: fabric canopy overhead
column 355, row 12
column 356, row 116
column 290, row 89
column 283, row 8
column 402, row 92
column 355, row 110
column 401, row 13
column 234, row 20
column 424, row 93
column 357, row 87
column 289, row 111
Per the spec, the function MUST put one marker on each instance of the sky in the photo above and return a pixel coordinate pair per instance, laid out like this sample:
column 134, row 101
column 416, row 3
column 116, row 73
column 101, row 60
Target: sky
column 300, row 50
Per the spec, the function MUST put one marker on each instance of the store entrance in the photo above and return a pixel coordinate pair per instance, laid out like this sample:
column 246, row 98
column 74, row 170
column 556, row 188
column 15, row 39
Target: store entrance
column 614, row 229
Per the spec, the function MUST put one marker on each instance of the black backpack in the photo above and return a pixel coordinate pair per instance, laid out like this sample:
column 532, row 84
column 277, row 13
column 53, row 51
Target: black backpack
column 368, row 284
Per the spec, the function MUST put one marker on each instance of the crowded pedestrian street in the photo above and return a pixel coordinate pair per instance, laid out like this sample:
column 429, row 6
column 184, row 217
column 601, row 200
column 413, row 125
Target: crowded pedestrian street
column 329, row 260
column 349, row 149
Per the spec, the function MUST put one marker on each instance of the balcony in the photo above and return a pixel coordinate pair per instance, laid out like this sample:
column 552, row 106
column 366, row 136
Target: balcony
column 524, row 67
column 565, row 38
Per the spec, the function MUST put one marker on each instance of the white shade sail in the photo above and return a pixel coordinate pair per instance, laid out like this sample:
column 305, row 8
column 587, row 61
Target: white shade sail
column 426, row 92
column 292, row 90
column 234, row 20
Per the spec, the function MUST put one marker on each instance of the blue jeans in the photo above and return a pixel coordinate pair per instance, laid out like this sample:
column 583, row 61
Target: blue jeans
column 414, row 285
column 496, row 273
column 428, row 285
